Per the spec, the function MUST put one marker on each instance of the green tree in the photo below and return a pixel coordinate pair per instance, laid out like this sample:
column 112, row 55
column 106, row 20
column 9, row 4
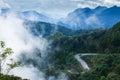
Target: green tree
column 102, row 78
column 117, row 69
column 4, row 57
column 113, row 76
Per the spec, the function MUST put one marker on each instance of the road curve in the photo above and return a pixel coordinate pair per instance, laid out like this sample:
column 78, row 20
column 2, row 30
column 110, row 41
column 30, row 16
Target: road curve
column 83, row 63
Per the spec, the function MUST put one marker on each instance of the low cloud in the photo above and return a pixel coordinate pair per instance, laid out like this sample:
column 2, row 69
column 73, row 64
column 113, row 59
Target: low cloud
column 95, row 3
column 93, row 22
column 28, row 72
column 3, row 4
column 21, row 40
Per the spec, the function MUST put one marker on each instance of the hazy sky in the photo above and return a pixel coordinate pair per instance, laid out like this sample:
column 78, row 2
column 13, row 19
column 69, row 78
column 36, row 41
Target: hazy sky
column 55, row 8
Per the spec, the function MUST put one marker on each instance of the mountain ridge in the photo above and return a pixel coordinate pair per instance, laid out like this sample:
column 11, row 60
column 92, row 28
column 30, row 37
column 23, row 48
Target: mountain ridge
column 86, row 18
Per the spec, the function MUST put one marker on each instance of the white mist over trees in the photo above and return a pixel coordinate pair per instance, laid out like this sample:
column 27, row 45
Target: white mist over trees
column 25, row 46
column 16, row 36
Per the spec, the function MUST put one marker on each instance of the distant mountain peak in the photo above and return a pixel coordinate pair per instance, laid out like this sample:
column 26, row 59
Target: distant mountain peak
column 33, row 13
column 35, row 16
column 100, row 7
column 82, row 9
column 115, row 6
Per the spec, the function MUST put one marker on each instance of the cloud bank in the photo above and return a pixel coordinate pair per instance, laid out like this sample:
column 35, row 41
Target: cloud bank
column 95, row 3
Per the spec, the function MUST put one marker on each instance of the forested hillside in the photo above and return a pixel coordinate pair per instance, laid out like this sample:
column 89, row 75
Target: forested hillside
column 104, row 66
column 110, row 42
column 59, row 39
column 64, row 46
column 99, row 40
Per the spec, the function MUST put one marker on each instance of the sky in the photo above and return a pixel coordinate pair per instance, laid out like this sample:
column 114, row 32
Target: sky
column 55, row 8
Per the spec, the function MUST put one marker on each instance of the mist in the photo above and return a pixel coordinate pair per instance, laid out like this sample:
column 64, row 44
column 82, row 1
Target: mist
column 26, row 46
column 16, row 36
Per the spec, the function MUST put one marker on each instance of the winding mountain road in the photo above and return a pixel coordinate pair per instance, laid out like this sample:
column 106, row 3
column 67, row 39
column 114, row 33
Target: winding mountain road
column 83, row 63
